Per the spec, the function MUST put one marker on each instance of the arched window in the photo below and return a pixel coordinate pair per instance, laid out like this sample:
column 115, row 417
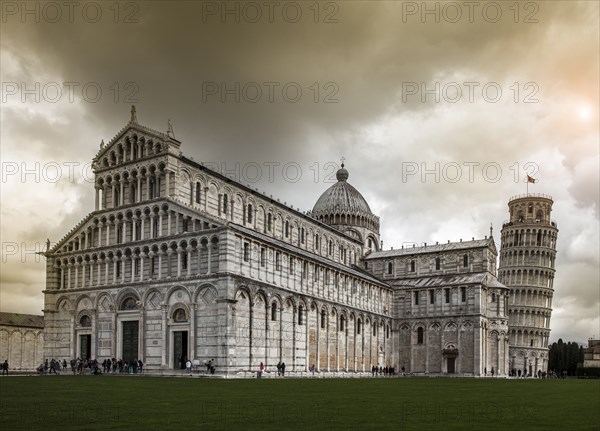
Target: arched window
column 180, row 315
column 301, row 315
column 323, row 319
column 302, row 235
column 274, row 311
column 85, row 321
column 330, row 247
column 358, row 326
column 374, row 329
column 390, row 268
column 465, row 261
column 287, row 229
column 250, row 213
column 117, row 196
column 420, row 335
column 493, row 297
column 438, row 263
column 412, row 266
column 539, row 237
column 342, row 323
column 132, row 193
column 225, row 203
column 269, row 222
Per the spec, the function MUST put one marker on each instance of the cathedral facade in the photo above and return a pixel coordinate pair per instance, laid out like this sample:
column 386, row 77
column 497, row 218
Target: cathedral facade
column 180, row 262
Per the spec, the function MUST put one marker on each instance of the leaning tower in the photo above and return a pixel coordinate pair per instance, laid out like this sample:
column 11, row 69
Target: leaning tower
column 527, row 256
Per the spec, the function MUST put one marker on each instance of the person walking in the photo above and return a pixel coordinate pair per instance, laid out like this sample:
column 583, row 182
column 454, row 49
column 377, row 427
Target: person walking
column 261, row 368
column 283, row 369
column 5, row 367
column 188, row 367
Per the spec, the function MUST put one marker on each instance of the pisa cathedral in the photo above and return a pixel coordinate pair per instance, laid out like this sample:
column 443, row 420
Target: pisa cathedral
column 180, row 262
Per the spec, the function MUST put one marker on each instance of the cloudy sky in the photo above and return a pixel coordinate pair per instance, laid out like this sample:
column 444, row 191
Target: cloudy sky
column 439, row 109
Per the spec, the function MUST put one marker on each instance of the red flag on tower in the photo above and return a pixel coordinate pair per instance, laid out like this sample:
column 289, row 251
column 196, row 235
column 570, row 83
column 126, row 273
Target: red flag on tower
column 531, row 180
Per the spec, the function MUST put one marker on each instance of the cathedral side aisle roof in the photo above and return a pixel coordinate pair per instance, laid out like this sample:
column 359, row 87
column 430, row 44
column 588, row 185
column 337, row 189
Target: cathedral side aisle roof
column 434, row 248
column 25, row 320
column 449, row 280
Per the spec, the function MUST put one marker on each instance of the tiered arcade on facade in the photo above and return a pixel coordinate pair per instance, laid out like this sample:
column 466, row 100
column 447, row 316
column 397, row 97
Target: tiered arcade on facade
column 179, row 262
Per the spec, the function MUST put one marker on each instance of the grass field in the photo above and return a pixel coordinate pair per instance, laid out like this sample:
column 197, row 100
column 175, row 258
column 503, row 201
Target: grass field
column 154, row 403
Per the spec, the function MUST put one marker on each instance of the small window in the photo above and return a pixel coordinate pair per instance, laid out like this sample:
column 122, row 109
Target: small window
column 250, row 213
column 420, row 335
column 493, row 297
column 465, row 261
column 390, row 268
column 374, row 329
column 417, row 298
column 278, row 261
column 118, row 268
column 274, row 311
column 225, row 203
column 292, row 265
column 323, row 319
column 358, row 326
column 463, row 294
column 437, row 263
column 342, row 323
column 412, row 266
column 330, row 251
column 301, row 315
column 431, row 296
column 287, row 229
column 198, row 189
column 263, row 256
column 447, row 295
column 85, row 321
column 269, row 222
column 302, row 235
column 184, row 261
column 246, row 252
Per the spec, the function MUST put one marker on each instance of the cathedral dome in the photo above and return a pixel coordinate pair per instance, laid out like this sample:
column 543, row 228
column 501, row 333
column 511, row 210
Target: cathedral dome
column 343, row 207
column 341, row 198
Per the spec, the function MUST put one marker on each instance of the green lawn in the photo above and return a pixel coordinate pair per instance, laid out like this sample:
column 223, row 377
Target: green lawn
column 154, row 403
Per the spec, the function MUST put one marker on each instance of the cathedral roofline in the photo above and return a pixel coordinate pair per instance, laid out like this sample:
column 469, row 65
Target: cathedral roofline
column 138, row 127
column 273, row 201
column 434, row 248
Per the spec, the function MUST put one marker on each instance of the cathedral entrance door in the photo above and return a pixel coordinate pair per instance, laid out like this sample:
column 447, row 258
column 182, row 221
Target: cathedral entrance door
column 85, row 347
column 130, row 340
column 180, row 348
column 451, row 365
